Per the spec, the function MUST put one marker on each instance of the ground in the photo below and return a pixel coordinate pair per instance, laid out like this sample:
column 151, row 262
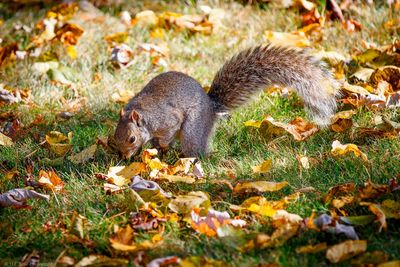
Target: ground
column 235, row 147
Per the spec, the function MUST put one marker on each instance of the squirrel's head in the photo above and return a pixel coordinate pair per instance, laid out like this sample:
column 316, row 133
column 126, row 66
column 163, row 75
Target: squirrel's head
column 130, row 134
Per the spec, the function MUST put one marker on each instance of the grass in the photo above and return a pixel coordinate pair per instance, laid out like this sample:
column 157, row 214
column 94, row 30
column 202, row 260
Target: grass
column 235, row 146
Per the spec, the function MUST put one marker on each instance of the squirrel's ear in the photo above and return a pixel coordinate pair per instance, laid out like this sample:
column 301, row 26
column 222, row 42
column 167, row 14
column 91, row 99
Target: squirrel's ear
column 121, row 113
column 136, row 117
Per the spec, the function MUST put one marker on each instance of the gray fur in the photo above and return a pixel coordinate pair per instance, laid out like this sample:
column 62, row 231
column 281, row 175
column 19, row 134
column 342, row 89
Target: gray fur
column 253, row 70
column 174, row 105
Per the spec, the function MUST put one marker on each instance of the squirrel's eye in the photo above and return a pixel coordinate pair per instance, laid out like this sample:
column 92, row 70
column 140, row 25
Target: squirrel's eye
column 132, row 139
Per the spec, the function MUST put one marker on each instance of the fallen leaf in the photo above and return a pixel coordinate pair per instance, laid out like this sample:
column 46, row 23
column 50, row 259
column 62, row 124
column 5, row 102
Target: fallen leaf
column 304, row 162
column 264, row 167
column 339, row 189
column 395, row 263
column 78, row 225
column 287, row 39
column 176, row 178
column 165, row 261
column 183, row 204
column 299, row 128
column 372, row 258
column 100, row 260
column 358, row 220
column 5, row 140
column 146, row 18
column 30, row 259
column 380, row 215
column 84, row 155
column 123, row 240
column 260, row 186
column 326, row 223
column 312, row 248
column 71, row 51
column 339, row 150
column 345, row 250
column 391, row 208
column 116, row 38
column 342, row 121
column 210, row 224
column 122, row 56
column 18, row 197
column 371, row 191
column 50, row 180
column 59, row 143
column 69, row 34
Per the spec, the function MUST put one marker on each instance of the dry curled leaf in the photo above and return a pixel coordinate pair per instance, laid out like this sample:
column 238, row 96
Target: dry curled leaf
column 18, row 197
column 342, row 121
column 346, row 250
column 339, row 150
column 50, row 180
column 298, row 128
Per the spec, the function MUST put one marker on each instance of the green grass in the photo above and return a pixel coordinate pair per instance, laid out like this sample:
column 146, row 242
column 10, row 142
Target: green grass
column 235, row 146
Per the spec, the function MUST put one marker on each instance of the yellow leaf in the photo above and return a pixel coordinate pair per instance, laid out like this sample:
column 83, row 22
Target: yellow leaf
column 5, row 140
column 287, row 39
column 264, row 167
column 59, row 143
column 176, row 178
column 395, row 263
column 146, row 18
column 339, row 150
column 253, row 123
column 118, row 38
column 345, row 250
column 71, row 51
column 260, row 186
column 312, row 248
column 12, row 173
column 84, row 155
column 391, row 208
column 157, row 33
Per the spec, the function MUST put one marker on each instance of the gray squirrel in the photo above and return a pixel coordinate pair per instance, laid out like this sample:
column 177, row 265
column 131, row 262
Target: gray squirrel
column 174, row 105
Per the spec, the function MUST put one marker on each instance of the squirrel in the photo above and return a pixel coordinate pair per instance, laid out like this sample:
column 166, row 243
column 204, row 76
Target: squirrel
column 174, row 105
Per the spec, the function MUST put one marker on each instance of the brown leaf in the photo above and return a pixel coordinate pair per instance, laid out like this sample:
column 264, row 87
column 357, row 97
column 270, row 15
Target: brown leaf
column 69, row 34
column 345, row 250
column 339, row 189
column 342, row 121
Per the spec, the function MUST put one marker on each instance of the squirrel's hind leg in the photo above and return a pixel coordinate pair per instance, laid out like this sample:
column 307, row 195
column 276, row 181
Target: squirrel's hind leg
column 195, row 134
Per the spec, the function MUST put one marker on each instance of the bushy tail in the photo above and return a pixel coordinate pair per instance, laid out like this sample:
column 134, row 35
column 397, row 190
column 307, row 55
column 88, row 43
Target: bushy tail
column 253, row 70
